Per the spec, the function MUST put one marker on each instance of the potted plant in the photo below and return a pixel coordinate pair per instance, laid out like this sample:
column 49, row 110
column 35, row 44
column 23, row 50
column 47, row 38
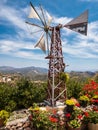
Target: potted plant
column 91, row 118
column 43, row 119
column 74, row 124
column 4, row 115
column 74, row 119
column 94, row 100
column 69, row 105
column 84, row 100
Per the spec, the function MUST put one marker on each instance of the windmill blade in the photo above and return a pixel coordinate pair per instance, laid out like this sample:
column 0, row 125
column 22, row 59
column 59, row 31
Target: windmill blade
column 32, row 13
column 49, row 18
column 34, row 24
column 37, row 13
column 36, row 31
column 79, row 24
column 41, row 44
column 43, row 15
column 47, row 42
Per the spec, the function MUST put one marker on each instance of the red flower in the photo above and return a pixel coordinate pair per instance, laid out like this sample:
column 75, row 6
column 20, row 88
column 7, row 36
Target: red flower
column 94, row 100
column 96, row 93
column 95, row 108
column 53, row 119
column 67, row 115
column 77, row 104
column 93, row 82
column 86, row 114
column 79, row 116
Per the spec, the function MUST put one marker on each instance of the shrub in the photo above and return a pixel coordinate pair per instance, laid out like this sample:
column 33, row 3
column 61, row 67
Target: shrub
column 4, row 115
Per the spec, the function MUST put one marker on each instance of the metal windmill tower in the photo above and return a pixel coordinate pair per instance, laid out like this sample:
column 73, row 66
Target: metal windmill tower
column 56, row 86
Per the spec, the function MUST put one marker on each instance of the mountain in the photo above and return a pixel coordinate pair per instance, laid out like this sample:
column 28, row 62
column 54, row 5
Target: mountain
column 82, row 74
column 25, row 70
column 33, row 73
column 38, row 73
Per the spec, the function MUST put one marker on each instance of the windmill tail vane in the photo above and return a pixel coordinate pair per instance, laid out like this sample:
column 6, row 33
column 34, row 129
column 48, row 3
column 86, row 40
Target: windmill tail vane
column 56, row 87
column 79, row 24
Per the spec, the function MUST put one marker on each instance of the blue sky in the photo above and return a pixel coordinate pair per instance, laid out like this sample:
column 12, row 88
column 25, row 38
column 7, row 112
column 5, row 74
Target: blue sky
column 17, row 43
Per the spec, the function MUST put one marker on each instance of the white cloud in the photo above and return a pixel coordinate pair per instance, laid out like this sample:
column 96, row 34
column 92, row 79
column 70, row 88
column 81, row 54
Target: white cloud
column 19, row 50
column 13, row 16
column 61, row 20
column 79, row 46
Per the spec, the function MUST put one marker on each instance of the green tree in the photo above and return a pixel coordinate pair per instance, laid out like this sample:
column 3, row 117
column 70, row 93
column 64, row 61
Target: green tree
column 74, row 88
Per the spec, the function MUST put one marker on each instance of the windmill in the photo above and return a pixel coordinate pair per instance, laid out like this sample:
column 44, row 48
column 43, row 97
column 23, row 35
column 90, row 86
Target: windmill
column 56, row 86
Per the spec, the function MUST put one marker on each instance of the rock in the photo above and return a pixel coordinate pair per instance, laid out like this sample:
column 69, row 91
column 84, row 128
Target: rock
column 28, row 128
column 26, row 124
column 19, row 120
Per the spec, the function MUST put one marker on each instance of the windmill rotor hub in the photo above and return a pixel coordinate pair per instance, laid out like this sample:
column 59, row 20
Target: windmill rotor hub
column 46, row 28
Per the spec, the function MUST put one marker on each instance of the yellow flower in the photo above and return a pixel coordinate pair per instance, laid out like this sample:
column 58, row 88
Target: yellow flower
column 70, row 102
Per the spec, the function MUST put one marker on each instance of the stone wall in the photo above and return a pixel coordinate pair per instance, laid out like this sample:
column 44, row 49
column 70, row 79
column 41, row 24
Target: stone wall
column 19, row 120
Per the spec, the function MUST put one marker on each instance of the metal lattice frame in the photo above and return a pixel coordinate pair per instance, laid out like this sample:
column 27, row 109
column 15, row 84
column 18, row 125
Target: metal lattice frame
column 56, row 87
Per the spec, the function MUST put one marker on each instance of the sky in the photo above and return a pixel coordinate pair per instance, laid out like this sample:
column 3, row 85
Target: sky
column 17, row 39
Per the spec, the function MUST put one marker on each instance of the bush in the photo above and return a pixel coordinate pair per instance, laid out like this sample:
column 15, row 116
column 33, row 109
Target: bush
column 4, row 115
column 74, row 88
column 22, row 95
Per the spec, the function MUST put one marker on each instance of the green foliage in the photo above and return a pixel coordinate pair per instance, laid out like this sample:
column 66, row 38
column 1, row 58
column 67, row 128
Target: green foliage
column 43, row 119
column 74, row 88
column 22, row 95
column 25, row 92
column 6, row 94
column 93, row 117
column 4, row 115
column 11, row 106
column 74, row 123
column 64, row 76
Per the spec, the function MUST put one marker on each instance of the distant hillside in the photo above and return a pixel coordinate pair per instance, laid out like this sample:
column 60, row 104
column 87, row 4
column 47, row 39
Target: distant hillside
column 34, row 73
column 38, row 73
column 83, row 74
column 25, row 70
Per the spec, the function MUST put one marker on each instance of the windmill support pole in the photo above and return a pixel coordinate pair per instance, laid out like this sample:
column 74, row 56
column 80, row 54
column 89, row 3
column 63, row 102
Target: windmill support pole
column 56, row 66
column 53, row 85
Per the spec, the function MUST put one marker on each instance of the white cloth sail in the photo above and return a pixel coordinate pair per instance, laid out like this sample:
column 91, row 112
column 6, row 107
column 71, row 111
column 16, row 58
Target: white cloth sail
column 41, row 44
column 49, row 18
column 32, row 13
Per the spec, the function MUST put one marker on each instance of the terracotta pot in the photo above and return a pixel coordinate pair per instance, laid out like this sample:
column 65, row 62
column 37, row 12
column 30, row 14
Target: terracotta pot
column 69, row 108
column 92, row 126
column 1, row 123
column 83, row 103
column 69, row 128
